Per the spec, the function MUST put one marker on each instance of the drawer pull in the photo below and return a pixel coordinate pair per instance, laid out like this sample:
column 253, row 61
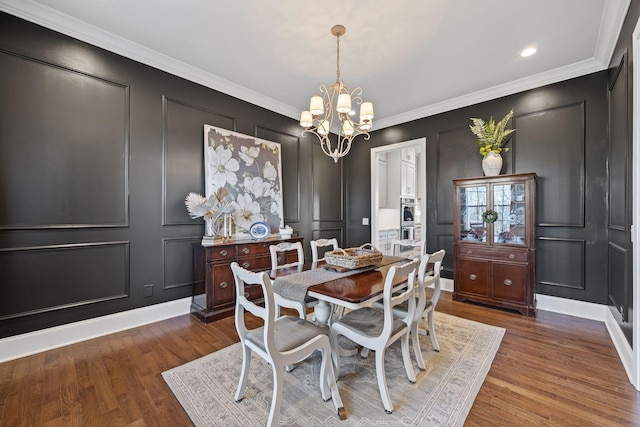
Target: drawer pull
column 469, row 252
column 473, row 277
column 224, row 252
column 224, row 285
column 511, row 256
column 246, row 251
column 508, row 282
column 246, row 264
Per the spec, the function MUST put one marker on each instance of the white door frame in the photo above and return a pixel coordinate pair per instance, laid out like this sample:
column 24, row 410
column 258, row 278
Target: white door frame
column 635, row 230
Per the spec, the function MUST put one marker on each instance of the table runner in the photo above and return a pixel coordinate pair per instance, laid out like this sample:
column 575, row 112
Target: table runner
column 294, row 286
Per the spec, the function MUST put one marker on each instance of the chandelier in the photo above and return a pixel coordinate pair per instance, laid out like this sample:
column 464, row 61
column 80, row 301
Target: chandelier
column 319, row 119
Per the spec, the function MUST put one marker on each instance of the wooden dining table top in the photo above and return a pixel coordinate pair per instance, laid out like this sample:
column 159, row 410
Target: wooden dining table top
column 354, row 289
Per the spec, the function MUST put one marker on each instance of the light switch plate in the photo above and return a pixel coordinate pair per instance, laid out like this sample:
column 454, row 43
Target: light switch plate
column 365, row 221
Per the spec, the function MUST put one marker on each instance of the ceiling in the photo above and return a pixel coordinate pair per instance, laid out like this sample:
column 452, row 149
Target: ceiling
column 412, row 58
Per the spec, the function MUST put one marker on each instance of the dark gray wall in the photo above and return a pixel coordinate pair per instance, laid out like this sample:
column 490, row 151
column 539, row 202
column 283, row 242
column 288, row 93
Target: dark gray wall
column 561, row 134
column 97, row 153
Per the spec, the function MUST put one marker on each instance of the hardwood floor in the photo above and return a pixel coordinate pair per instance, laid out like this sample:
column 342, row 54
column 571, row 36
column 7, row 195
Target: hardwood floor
column 551, row 370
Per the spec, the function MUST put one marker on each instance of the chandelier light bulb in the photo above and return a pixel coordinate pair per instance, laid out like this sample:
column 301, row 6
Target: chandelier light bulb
column 316, row 105
column 344, row 103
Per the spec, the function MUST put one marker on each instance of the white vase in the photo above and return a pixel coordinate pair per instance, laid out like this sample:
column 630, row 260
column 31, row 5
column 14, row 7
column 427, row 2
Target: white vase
column 492, row 163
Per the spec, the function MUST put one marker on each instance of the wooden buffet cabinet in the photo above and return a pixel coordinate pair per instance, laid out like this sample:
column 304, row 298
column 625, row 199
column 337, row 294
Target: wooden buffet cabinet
column 494, row 263
column 213, row 286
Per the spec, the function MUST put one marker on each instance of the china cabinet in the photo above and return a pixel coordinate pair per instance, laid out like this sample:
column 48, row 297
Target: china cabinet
column 494, row 241
column 213, row 285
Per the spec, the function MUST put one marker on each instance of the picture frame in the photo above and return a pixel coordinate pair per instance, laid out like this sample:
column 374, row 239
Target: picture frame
column 250, row 170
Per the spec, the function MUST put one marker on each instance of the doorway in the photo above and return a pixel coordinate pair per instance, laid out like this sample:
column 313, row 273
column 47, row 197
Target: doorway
column 398, row 174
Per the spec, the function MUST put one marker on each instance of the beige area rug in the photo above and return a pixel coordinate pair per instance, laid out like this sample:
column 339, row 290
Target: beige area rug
column 442, row 395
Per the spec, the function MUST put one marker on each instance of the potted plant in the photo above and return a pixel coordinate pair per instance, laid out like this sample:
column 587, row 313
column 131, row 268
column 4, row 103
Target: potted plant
column 491, row 137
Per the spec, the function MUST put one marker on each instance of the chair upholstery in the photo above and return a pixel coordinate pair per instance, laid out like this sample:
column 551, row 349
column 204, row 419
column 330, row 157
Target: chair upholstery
column 300, row 307
column 424, row 306
column 280, row 341
column 377, row 329
column 321, row 243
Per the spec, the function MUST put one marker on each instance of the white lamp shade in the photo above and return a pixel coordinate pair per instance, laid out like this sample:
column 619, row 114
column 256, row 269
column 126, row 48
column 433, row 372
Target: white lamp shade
column 347, row 128
column 323, row 127
column 306, row 120
column 316, row 105
column 366, row 111
column 344, row 103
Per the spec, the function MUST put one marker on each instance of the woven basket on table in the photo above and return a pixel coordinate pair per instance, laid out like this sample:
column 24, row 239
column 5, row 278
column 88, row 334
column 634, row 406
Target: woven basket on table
column 354, row 257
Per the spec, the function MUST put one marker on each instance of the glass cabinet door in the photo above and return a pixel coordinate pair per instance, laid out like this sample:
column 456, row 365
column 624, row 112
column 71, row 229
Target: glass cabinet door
column 509, row 202
column 473, row 202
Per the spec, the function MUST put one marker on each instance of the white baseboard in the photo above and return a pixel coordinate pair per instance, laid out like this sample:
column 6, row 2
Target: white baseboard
column 47, row 339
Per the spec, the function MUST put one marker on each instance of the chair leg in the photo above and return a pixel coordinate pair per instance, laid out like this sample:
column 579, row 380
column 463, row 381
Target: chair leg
column 244, row 373
column 335, row 354
column 382, row 381
column 276, row 399
column 333, row 386
column 432, row 332
column 406, row 356
column 415, row 340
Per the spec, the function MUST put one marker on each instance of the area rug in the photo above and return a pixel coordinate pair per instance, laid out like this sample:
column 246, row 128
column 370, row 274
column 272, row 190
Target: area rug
column 442, row 395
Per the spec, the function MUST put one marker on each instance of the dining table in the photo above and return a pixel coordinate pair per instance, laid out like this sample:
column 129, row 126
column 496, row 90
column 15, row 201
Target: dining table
column 335, row 286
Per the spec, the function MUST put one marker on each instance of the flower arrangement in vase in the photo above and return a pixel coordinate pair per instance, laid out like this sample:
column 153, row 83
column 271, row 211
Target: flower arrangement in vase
column 491, row 137
column 214, row 210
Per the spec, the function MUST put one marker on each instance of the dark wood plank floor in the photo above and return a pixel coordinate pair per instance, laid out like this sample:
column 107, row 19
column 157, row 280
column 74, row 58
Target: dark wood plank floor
column 551, row 370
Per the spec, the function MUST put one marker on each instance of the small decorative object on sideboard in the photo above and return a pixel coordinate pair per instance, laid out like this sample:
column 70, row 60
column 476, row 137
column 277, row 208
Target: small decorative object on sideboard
column 491, row 137
column 216, row 212
column 286, row 232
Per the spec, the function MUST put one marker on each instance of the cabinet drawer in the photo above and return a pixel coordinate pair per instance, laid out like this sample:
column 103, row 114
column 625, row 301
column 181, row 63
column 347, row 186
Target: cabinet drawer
column 221, row 280
column 509, row 282
column 472, row 277
column 253, row 249
column 477, row 251
column 221, row 253
column 255, row 263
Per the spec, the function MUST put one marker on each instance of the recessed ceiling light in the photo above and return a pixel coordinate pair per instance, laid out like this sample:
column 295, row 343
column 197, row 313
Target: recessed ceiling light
column 528, row 51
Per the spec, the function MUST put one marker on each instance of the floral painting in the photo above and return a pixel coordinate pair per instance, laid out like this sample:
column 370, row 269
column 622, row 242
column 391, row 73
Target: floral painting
column 250, row 170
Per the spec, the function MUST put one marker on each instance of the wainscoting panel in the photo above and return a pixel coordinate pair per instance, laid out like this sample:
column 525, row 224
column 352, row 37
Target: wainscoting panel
column 457, row 156
column 183, row 155
column 50, row 155
column 618, row 274
column 290, row 145
column 178, row 261
column 561, row 262
column 445, row 241
column 50, row 278
column 328, row 184
column 552, row 143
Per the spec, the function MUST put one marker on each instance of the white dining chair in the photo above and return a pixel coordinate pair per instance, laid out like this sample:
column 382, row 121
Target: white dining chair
column 280, row 341
column 299, row 306
column 322, row 243
column 424, row 306
column 417, row 252
column 378, row 329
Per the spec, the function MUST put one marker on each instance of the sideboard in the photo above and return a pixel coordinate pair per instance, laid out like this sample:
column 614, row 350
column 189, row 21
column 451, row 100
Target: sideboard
column 213, row 286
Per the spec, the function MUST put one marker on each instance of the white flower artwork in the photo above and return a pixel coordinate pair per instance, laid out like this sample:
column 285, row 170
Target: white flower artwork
column 250, row 170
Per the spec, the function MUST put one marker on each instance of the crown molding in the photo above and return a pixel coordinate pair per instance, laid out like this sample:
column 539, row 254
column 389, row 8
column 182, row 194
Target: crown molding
column 559, row 74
